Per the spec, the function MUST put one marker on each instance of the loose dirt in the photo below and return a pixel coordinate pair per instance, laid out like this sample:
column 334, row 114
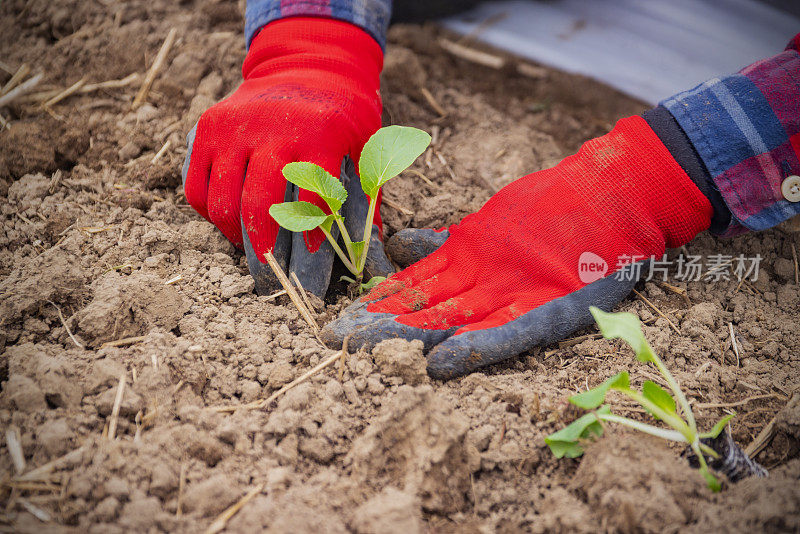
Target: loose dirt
column 93, row 229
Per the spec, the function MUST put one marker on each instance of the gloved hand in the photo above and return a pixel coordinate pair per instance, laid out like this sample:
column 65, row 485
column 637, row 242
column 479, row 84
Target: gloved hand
column 310, row 93
column 509, row 277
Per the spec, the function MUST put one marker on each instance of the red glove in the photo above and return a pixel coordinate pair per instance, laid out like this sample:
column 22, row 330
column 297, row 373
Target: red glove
column 310, row 93
column 508, row 277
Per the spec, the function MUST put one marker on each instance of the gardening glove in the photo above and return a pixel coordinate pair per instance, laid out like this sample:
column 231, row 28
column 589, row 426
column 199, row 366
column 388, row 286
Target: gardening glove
column 310, row 93
column 524, row 270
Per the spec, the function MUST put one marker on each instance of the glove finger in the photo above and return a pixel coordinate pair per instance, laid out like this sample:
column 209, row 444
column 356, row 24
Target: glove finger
column 469, row 307
column 353, row 318
column 264, row 185
column 410, row 245
column 431, row 266
column 225, row 194
column 265, row 280
column 188, row 158
column 196, row 168
column 355, row 211
column 425, row 294
column 313, row 269
column 485, row 343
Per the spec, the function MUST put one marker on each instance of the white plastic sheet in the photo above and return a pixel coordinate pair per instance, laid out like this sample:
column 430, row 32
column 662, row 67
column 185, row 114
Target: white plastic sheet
column 647, row 49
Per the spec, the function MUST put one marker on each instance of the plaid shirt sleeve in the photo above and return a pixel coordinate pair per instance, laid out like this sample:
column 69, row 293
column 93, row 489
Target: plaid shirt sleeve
column 371, row 15
column 746, row 129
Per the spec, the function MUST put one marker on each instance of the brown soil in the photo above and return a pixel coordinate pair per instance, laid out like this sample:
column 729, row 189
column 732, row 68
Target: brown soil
column 91, row 227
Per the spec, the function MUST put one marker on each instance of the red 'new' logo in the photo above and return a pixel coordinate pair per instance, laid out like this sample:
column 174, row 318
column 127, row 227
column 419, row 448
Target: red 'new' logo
column 591, row 267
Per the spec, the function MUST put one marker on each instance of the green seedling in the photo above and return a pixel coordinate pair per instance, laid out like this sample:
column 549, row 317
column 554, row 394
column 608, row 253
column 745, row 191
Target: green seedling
column 387, row 153
column 653, row 398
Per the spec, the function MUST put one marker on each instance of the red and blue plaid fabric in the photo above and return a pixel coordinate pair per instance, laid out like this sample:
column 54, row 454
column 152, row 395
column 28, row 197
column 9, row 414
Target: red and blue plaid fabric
column 746, row 129
column 371, row 15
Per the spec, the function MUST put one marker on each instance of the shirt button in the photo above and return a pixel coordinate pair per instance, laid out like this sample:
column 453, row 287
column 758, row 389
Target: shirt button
column 791, row 188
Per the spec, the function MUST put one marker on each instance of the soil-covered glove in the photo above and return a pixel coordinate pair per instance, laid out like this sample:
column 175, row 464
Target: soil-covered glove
column 510, row 276
column 310, row 93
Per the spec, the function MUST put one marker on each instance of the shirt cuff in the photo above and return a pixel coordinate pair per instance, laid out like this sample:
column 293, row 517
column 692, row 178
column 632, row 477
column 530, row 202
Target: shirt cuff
column 370, row 15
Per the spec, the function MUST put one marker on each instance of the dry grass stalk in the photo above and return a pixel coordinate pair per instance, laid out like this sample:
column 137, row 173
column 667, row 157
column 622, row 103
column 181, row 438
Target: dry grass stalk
column 43, row 471
column 15, row 450
column 423, row 178
column 122, row 342
column 6, row 67
column 35, row 511
column 69, row 91
column 174, row 279
column 675, row 289
column 734, row 345
column 219, row 523
column 576, row 340
column 155, row 68
column 532, row 71
column 294, row 383
column 112, row 425
column 302, row 292
column 472, row 55
column 18, row 76
column 64, row 324
column 764, row 437
column 110, row 84
column 343, row 359
column 161, row 152
column 796, row 267
column 275, row 295
column 659, row 312
column 20, row 90
column 292, row 292
column 432, row 101
column 702, row 368
column 4, row 123
column 398, row 207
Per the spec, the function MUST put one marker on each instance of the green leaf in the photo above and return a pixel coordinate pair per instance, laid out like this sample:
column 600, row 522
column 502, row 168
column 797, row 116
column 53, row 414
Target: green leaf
column 658, row 396
column 566, row 442
column 711, row 480
column 719, row 427
column 316, row 179
column 388, row 153
column 589, row 400
column 298, row 216
column 624, row 326
column 374, row 281
column 358, row 248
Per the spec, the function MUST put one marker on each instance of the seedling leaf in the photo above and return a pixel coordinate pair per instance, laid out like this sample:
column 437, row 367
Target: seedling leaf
column 316, row 179
column 358, row 248
column 658, row 396
column 719, row 427
column 298, row 216
column 711, row 480
column 374, row 281
column 624, row 326
column 388, row 153
column 566, row 442
column 589, row 400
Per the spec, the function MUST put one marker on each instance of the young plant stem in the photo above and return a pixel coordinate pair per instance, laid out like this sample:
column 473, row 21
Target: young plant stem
column 348, row 243
column 672, row 420
column 676, row 390
column 672, row 435
column 340, row 252
column 373, row 202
